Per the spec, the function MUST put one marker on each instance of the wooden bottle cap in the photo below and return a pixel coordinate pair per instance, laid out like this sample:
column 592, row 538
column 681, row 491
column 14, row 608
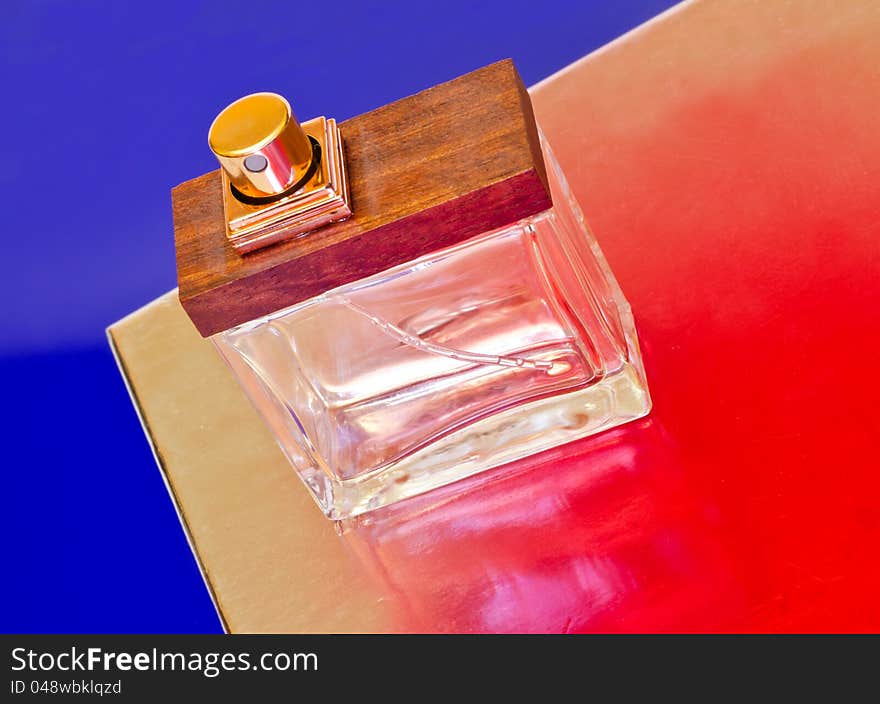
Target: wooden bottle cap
column 425, row 172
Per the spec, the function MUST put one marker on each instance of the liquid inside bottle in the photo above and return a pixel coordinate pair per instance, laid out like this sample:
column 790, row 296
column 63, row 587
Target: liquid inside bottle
column 513, row 342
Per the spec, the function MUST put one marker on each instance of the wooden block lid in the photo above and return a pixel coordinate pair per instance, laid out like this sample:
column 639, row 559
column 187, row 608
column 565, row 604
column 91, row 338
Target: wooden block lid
column 425, row 172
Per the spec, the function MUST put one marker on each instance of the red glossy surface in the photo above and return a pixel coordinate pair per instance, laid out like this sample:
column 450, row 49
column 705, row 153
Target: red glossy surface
column 728, row 159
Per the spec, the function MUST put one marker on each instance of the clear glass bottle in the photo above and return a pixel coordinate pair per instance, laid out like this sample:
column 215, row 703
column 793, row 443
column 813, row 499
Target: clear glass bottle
column 468, row 357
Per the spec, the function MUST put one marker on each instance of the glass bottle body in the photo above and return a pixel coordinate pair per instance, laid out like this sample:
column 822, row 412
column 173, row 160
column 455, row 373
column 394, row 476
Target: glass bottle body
column 510, row 343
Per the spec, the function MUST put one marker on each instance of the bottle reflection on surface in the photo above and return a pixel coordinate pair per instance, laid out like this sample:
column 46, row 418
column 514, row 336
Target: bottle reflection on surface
column 598, row 535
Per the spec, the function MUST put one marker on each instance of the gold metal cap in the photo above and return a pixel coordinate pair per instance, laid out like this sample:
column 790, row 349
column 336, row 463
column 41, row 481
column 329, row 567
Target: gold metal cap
column 261, row 147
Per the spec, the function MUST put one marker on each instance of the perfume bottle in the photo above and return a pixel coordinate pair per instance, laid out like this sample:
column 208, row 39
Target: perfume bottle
column 409, row 297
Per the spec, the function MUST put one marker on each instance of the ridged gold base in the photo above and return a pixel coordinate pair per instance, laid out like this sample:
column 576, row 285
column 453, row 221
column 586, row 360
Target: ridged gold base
column 322, row 200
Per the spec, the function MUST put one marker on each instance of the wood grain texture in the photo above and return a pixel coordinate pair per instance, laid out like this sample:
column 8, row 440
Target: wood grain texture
column 426, row 172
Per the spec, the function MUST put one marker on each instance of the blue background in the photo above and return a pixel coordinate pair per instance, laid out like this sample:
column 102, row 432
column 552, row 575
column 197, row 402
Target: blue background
column 106, row 107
